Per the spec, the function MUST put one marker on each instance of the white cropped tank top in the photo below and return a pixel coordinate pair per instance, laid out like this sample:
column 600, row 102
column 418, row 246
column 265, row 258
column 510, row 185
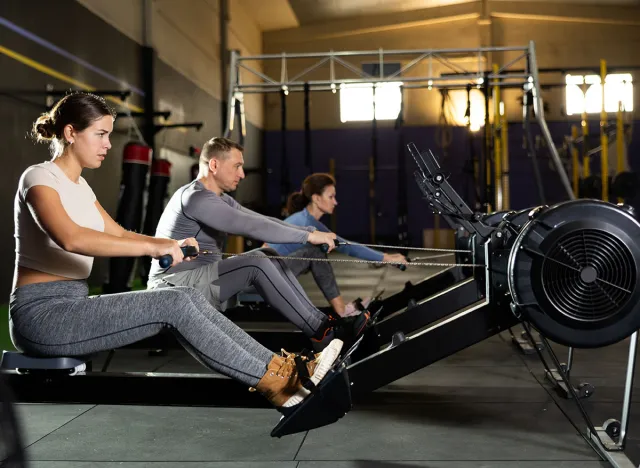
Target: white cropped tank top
column 34, row 248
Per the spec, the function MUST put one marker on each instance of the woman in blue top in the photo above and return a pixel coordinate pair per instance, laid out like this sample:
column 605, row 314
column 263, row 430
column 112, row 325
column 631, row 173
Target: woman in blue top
column 306, row 207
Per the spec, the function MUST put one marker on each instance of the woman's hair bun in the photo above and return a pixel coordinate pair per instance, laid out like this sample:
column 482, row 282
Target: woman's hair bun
column 44, row 128
column 297, row 201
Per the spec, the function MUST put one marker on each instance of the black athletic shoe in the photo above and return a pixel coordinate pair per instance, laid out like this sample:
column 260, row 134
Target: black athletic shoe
column 319, row 344
column 347, row 329
column 350, row 329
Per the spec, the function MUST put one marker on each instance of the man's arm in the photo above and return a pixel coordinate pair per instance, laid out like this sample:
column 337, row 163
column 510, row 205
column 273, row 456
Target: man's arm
column 276, row 220
column 211, row 210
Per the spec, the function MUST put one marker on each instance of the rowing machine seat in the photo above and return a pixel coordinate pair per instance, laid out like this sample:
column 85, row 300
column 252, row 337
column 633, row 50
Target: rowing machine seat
column 14, row 360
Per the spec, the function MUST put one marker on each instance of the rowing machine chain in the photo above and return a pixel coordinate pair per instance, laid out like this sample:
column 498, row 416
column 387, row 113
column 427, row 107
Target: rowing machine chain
column 376, row 262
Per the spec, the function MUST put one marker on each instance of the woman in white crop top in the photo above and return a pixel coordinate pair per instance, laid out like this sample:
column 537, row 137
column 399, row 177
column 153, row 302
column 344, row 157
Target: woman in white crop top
column 60, row 227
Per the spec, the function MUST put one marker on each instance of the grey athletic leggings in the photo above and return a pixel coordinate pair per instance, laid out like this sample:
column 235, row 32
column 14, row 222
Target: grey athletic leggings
column 322, row 271
column 60, row 319
column 276, row 283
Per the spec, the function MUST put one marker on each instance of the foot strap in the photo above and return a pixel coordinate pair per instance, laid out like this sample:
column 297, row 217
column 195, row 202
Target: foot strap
column 303, row 373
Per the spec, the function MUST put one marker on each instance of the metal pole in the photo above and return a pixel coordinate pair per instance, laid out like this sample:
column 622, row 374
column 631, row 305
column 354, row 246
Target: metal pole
column 620, row 143
column 231, row 100
column 372, row 172
column 628, row 389
column 575, row 162
column 604, row 137
column 332, row 171
column 307, row 131
column 486, row 156
column 504, row 132
column 497, row 144
column 527, row 99
column 299, row 85
column 224, row 84
column 586, row 157
column 425, row 83
column 284, row 163
column 148, row 78
column 354, row 53
column 539, row 110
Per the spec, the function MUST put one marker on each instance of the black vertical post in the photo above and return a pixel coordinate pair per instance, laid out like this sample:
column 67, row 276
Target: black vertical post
column 372, row 172
column 149, row 133
column 238, row 117
column 527, row 106
column 307, row 131
column 486, row 152
column 224, row 62
column 148, row 74
column 284, row 163
column 403, row 216
column 471, row 163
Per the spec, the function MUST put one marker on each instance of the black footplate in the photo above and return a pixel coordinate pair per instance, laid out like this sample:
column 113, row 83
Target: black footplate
column 328, row 402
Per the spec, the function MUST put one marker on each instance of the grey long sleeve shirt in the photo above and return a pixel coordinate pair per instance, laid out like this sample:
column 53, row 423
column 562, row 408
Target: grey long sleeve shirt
column 195, row 211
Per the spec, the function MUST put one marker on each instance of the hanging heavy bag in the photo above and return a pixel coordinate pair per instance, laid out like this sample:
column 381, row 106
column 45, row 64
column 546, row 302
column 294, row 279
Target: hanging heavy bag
column 135, row 165
column 158, row 184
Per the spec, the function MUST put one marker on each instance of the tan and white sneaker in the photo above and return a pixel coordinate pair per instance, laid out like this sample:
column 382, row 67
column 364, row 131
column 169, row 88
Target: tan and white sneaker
column 283, row 384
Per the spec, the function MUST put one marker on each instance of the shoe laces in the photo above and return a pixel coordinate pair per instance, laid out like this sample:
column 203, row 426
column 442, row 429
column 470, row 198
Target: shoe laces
column 288, row 367
column 298, row 365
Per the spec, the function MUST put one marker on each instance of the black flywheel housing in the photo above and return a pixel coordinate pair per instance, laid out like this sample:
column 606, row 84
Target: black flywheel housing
column 573, row 273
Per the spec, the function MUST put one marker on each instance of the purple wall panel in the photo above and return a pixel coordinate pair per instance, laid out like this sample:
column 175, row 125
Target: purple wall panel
column 352, row 147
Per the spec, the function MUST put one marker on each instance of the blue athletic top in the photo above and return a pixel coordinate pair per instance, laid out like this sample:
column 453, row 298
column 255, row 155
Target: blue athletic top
column 303, row 219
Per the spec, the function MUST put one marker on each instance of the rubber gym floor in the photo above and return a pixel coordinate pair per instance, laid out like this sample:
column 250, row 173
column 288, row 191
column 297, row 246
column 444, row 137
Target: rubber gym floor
column 484, row 407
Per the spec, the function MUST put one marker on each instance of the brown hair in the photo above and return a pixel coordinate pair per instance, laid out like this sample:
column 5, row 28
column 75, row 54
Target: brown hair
column 219, row 148
column 312, row 185
column 78, row 109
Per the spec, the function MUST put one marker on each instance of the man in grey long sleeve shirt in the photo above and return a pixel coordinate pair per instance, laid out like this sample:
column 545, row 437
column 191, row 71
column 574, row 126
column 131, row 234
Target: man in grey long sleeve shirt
column 202, row 210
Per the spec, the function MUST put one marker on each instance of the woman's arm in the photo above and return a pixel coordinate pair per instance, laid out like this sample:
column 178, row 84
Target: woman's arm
column 352, row 249
column 46, row 207
column 113, row 228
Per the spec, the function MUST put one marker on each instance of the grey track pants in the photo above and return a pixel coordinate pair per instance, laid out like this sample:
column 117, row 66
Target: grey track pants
column 272, row 278
column 60, row 319
column 322, row 271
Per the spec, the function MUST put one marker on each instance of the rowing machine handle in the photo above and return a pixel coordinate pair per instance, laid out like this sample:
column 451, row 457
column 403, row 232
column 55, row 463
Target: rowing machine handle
column 188, row 251
column 325, row 247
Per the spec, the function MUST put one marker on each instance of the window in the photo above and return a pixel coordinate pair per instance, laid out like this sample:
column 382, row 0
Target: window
column 617, row 87
column 356, row 101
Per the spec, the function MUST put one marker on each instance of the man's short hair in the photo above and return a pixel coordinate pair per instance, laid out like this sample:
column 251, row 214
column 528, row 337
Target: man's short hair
column 218, row 147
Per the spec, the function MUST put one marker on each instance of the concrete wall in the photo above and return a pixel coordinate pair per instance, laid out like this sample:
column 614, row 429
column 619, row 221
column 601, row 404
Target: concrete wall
column 102, row 50
column 186, row 37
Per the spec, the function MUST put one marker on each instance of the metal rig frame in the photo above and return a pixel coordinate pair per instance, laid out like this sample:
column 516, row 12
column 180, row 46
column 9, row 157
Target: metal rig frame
column 506, row 76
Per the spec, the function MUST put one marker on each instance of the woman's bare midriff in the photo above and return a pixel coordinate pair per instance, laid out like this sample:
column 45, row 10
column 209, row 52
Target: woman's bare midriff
column 27, row 276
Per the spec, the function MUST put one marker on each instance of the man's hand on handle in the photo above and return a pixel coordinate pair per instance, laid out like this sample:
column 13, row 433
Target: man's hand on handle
column 319, row 238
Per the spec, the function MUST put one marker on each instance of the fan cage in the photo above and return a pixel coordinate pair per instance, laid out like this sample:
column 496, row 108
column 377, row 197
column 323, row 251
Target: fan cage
column 588, row 275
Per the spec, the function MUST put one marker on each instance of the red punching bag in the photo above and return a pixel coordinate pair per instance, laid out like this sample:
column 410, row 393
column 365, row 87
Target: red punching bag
column 158, row 183
column 135, row 166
